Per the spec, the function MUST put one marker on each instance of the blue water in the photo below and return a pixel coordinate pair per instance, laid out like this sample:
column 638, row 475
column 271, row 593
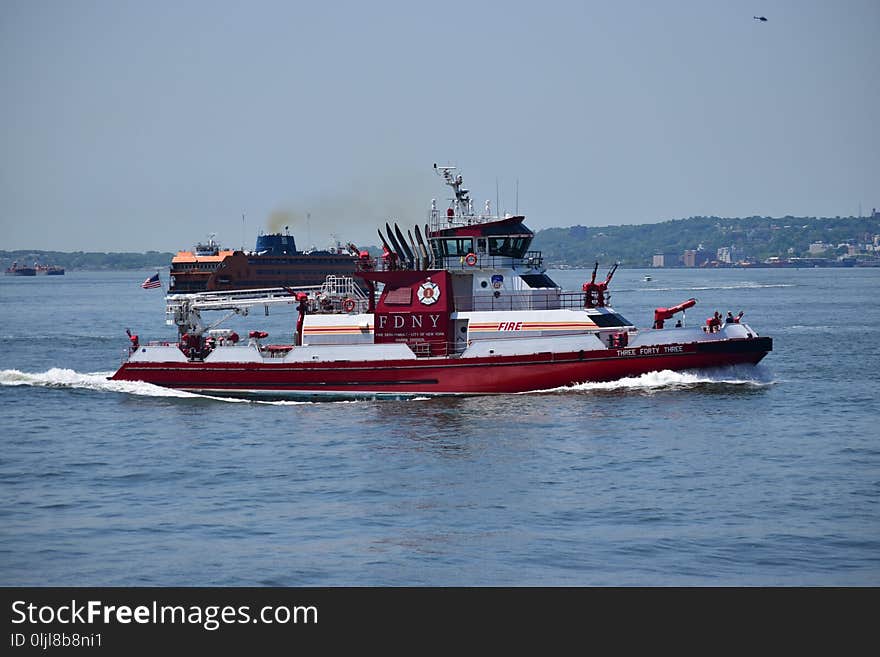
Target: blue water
column 747, row 476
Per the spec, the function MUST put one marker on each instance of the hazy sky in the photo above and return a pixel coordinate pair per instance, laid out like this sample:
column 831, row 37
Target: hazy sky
column 147, row 125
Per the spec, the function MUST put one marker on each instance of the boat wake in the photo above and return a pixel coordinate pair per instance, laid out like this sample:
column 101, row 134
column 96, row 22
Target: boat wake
column 741, row 376
column 64, row 378
column 701, row 288
column 99, row 382
column 665, row 380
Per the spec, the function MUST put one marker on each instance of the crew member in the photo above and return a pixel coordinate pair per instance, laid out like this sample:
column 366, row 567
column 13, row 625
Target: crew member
column 389, row 259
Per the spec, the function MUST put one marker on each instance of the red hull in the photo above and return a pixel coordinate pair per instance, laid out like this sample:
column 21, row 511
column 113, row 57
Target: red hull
column 498, row 374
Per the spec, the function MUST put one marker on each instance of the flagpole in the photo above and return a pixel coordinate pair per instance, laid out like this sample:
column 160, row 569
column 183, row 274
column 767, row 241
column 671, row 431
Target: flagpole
column 161, row 284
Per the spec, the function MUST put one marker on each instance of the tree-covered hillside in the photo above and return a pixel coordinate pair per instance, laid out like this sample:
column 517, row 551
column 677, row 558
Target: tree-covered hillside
column 756, row 238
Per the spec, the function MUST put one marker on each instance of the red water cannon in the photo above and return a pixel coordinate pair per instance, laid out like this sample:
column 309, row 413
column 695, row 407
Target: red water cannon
column 662, row 314
column 596, row 294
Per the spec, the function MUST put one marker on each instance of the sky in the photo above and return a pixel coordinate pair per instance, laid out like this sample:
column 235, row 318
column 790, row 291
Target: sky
column 135, row 126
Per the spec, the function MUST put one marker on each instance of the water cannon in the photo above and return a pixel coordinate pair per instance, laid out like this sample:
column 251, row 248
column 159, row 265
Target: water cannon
column 662, row 314
column 596, row 294
column 611, row 273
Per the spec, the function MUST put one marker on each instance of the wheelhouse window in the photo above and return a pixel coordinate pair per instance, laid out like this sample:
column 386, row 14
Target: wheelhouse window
column 453, row 247
column 509, row 246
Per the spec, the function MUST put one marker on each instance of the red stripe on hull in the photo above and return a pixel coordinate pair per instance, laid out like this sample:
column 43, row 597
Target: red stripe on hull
column 501, row 374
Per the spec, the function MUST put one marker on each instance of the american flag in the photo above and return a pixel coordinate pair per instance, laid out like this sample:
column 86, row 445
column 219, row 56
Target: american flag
column 151, row 282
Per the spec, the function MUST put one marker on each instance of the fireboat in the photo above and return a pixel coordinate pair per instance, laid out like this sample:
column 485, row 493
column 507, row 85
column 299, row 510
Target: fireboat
column 461, row 308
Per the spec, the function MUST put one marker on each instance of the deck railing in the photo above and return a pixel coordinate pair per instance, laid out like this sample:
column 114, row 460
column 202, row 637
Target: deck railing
column 534, row 300
column 457, row 262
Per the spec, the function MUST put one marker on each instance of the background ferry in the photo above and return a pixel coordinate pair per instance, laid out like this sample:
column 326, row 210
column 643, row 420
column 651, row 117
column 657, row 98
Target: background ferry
column 274, row 262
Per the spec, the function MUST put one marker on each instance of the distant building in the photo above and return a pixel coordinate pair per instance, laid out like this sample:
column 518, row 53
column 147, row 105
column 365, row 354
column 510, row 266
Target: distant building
column 666, row 259
column 695, row 257
column 819, row 247
column 724, row 254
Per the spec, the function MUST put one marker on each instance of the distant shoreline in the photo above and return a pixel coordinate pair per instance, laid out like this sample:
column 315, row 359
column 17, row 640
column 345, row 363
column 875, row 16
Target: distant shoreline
column 87, row 261
column 122, row 261
column 748, row 242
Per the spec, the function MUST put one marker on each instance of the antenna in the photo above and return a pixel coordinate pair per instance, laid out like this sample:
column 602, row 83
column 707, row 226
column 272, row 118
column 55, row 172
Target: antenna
column 309, row 229
column 516, row 212
column 497, row 198
column 242, row 231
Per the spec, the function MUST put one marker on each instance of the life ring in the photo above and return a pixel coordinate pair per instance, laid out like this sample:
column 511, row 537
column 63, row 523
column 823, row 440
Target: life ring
column 471, row 259
column 348, row 305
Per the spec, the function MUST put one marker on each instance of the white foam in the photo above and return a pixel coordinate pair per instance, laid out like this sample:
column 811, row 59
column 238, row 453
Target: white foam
column 66, row 378
column 669, row 380
column 99, row 381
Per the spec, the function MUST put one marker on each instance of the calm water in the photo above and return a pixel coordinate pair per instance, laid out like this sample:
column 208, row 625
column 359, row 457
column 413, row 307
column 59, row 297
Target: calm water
column 753, row 476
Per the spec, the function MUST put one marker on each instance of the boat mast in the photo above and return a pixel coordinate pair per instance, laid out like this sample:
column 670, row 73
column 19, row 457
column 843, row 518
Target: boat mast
column 462, row 204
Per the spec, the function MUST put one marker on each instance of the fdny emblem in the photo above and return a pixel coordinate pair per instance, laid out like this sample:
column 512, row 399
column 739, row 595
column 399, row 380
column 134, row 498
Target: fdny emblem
column 428, row 293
